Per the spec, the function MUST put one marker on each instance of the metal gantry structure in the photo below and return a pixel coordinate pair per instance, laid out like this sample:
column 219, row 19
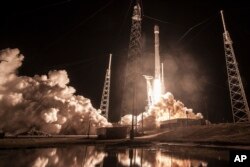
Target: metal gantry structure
column 239, row 104
column 104, row 107
column 131, row 70
column 131, row 95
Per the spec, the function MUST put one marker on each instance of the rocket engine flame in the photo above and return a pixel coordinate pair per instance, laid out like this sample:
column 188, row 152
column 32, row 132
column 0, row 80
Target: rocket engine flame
column 43, row 102
column 157, row 92
column 166, row 108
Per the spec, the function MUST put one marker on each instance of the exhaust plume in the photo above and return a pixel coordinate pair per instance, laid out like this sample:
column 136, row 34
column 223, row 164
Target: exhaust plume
column 166, row 108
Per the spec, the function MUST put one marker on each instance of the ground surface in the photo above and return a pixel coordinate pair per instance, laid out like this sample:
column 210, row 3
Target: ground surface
column 216, row 135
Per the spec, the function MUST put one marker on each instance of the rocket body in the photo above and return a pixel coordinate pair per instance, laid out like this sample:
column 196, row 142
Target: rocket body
column 157, row 53
column 157, row 79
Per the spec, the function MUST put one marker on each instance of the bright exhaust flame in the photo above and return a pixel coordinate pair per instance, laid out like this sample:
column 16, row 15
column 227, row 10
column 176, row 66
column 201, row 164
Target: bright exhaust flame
column 166, row 108
column 157, row 92
column 161, row 107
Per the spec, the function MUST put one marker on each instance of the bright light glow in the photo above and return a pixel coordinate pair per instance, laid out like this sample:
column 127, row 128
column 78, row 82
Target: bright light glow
column 157, row 159
column 74, row 157
column 166, row 108
column 157, row 90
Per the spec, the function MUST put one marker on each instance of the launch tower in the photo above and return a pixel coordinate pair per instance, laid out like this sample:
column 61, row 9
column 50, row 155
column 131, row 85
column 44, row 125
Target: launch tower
column 133, row 97
column 130, row 98
column 106, row 91
column 240, row 109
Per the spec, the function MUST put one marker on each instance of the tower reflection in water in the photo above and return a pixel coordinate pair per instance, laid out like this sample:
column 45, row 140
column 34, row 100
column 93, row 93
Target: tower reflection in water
column 89, row 156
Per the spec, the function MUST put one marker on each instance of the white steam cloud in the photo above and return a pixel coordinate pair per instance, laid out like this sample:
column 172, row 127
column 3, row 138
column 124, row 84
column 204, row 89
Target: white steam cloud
column 166, row 108
column 43, row 102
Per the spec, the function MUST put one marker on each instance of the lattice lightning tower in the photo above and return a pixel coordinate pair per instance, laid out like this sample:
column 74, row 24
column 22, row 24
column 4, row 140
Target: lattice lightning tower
column 132, row 72
column 240, row 109
column 106, row 91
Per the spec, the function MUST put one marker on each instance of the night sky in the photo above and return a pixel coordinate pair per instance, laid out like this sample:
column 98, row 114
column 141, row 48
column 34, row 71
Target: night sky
column 78, row 36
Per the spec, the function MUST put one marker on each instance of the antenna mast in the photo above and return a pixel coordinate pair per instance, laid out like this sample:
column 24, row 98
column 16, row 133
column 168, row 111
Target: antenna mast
column 106, row 91
column 239, row 104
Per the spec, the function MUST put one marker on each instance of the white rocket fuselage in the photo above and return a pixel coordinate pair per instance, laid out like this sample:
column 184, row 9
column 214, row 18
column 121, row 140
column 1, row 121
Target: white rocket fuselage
column 157, row 53
column 157, row 80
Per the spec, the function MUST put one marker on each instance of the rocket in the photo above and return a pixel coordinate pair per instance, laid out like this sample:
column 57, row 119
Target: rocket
column 157, row 79
column 159, row 74
column 157, row 89
column 157, row 53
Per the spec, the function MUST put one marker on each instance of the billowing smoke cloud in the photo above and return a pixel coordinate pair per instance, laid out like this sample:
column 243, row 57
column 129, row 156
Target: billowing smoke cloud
column 166, row 108
column 185, row 76
column 43, row 102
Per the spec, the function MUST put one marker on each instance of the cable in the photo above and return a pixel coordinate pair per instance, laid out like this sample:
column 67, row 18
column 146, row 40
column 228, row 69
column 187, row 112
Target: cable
column 47, row 6
column 142, row 12
column 152, row 18
column 81, row 23
column 93, row 15
column 126, row 17
column 190, row 29
column 196, row 35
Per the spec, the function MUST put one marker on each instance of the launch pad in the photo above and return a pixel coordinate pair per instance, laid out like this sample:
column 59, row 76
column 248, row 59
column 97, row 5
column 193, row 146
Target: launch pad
column 181, row 122
column 115, row 132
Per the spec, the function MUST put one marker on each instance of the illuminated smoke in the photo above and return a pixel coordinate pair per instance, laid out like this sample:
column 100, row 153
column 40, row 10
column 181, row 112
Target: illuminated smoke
column 166, row 108
column 43, row 102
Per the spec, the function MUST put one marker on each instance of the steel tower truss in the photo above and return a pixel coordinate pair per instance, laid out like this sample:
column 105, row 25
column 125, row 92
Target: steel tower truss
column 132, row 72
column 106, row 91
column 239, row 104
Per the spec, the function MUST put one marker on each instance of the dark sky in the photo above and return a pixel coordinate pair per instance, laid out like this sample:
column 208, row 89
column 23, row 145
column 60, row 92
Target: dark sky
column 78, row 35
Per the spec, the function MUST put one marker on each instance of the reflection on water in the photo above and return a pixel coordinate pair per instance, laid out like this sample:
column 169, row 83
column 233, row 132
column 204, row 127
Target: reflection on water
column 84, row 156
column 146, row 158
column 93, row 156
